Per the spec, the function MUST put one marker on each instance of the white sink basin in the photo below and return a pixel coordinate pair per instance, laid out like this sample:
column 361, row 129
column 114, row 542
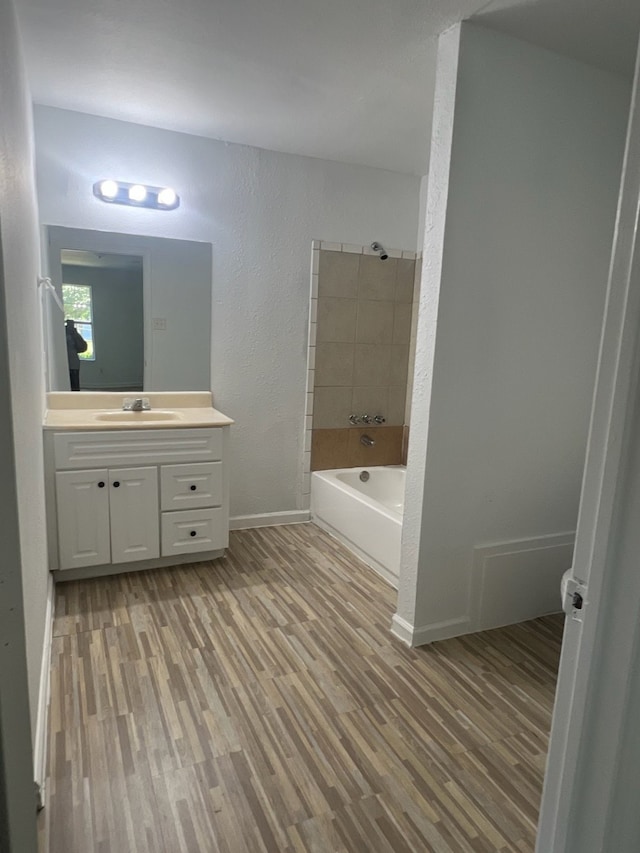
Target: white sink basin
column 153, row 416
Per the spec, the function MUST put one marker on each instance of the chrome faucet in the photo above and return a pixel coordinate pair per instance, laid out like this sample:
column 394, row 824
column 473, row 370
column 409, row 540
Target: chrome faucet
column 367, row 441
column 136, row 404
column 366, row 419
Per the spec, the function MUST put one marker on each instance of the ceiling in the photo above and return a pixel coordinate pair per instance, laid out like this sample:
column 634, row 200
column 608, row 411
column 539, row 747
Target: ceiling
column 347, row 80
column 600, row 32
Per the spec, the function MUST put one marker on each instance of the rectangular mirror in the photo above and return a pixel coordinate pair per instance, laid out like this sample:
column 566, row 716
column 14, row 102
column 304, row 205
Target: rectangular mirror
column 137, row 312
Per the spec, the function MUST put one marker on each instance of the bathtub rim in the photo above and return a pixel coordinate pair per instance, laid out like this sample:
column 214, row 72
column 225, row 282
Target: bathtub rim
column 363, row 498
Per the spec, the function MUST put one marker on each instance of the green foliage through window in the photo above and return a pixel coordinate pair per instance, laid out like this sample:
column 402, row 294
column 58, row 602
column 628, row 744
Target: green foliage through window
column 78, row 306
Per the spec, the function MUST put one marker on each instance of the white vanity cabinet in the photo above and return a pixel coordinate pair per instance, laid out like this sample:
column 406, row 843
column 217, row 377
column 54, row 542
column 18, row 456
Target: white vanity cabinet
column 144, row 497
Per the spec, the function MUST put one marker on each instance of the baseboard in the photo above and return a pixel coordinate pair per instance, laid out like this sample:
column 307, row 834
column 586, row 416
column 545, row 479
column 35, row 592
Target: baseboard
column 402, row 630
column 413, row 637
column 42, row 719
column 269, row 519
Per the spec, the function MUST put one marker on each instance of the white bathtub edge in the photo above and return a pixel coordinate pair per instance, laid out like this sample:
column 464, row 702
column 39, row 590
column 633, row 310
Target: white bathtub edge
column 384, row 573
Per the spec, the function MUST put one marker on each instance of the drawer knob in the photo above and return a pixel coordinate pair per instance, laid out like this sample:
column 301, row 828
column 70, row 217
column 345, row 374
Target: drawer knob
column 193, row 533
column 101, row 484
column 193, row 488
column 116, row 484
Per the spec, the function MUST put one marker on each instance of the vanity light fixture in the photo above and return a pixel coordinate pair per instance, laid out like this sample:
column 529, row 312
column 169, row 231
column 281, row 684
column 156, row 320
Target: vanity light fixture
column 136, row 195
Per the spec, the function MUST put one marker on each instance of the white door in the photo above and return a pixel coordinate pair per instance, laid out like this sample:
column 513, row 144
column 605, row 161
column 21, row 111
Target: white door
column 591, row 787
column 133, row 494
column 83, row 518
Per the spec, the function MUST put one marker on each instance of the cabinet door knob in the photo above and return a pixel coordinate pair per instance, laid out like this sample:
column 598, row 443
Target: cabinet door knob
column 193, row 533
column 116, row 484
column 101, row 484
column 193, row 488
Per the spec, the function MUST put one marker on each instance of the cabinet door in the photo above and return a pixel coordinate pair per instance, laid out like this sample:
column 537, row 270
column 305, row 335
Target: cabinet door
column 133, row 495
column 83, row 518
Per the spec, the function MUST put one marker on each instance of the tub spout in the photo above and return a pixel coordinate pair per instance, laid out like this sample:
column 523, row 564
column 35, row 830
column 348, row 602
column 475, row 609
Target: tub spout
column 367, row 441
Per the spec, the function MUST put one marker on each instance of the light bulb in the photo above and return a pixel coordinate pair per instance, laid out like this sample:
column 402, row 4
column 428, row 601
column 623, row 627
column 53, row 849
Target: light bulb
column 109, row 189
column 167, row 197
column 137, row 192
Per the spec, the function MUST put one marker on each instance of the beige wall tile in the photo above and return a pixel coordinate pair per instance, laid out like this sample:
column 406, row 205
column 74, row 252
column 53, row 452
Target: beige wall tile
column 405, row 444
column 370, row 400
column 338, row 275
column 404, row 280
column 377, row 279
column 375, row 322
column 334, row 364
column 371, row 365
column 416, row 281
column 402, row 323
column 331, row 408
column 387, row 449
column 396, row 405
column 329, row 449
column 399, row 365
column 336, row 319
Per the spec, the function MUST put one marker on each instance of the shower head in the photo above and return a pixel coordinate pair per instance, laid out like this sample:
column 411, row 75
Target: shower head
column 379, row 248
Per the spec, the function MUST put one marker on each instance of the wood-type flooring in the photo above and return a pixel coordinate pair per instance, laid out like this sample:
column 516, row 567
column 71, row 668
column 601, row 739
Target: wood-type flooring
column 259, row 704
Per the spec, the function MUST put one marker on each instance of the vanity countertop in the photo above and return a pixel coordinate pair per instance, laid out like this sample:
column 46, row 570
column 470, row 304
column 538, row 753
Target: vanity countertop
column 102, row 410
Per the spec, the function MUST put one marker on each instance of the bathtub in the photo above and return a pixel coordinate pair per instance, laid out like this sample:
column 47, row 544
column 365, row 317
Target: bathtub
column 365, row 516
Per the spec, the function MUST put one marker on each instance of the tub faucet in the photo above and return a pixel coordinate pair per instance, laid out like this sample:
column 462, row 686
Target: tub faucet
column 136, row 404
column 367, row 441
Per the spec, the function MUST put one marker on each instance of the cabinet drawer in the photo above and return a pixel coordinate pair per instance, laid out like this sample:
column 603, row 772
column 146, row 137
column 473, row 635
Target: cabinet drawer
column 191, row 486
column 141, row 447
column 194, row 530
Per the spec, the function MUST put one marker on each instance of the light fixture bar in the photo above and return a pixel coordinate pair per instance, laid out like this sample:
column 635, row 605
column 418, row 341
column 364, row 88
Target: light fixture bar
column 136, row 195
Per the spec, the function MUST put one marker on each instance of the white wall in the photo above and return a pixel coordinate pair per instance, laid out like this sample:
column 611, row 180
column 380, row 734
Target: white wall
column 515, row 310
column 23, row 568
column 260, row 210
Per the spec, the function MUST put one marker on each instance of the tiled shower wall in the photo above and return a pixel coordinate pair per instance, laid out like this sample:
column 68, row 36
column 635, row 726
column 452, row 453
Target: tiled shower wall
column 362, row 317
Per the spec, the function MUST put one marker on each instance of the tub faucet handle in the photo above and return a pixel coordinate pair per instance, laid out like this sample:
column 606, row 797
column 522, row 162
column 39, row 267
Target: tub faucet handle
column 354, row 419
column 366, row 419
column 379, row 419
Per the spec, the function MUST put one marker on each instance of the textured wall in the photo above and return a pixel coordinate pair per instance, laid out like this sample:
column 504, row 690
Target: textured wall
column 260, row 211
column 23, row 567
column 511, row 308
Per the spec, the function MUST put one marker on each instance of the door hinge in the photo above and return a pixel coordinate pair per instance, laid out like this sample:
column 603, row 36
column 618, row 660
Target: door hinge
column 39, row 791
column 575, row 596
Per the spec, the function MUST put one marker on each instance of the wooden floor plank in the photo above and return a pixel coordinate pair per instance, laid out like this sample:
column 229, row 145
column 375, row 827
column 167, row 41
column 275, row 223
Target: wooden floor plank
column 259, row 704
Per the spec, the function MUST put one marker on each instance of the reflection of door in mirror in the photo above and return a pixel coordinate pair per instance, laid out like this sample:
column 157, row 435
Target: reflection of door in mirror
column 143, row 305
column 103, row 294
